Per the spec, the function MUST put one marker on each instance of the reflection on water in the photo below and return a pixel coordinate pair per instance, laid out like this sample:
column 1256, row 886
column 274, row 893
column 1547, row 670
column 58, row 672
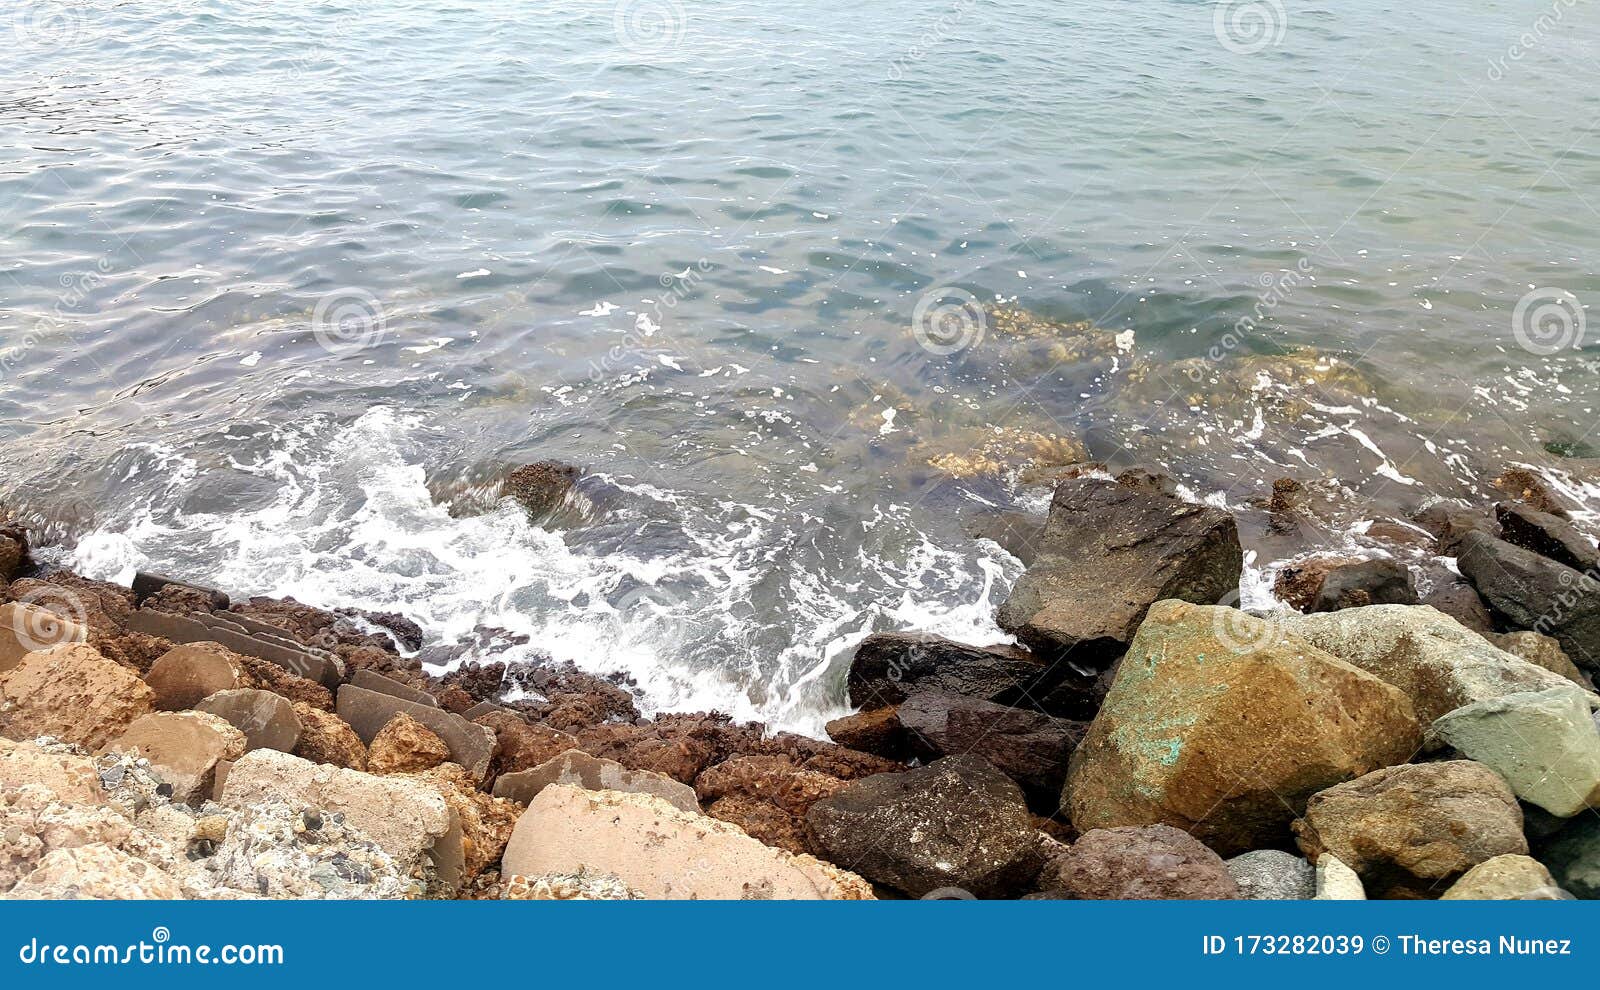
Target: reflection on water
column 803, row 288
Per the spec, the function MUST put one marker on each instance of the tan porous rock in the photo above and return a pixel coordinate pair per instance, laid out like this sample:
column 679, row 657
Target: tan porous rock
column 1506, row 878
column 95, row 872
column 25, row 628
column 1223, row 725
column 73, row 693
column 183, row 749
column 70, row 777
column 662, row 852
column 327, row 738
column 405, row 745
column 185, row 675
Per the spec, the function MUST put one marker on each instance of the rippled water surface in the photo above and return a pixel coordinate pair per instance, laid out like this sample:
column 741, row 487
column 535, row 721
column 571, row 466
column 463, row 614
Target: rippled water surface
column 799, row 284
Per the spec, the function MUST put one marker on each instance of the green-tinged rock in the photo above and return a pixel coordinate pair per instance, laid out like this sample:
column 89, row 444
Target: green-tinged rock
column 1440, row 664
column 1544, row 743
column 1221, row 724
column 1507, row 878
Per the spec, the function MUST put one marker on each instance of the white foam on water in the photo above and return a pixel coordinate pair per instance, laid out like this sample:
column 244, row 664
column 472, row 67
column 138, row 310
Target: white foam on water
column 725, row 621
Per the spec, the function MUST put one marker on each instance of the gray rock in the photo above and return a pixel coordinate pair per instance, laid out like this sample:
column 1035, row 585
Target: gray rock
column 1537, row 593
column 957, row 822
column 184, row 629
column 471, row 745
column 1031, row 748
column 1107, row 554
column 1546, row 535
column 374, row 681
column 1366, row 582
column 1574, row 857
column 267, row 720
column 1544, row 743
column 1273, row 875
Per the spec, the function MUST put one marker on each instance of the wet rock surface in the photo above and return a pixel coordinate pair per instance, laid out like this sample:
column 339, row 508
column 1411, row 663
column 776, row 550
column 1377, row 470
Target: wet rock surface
column 1151, row 862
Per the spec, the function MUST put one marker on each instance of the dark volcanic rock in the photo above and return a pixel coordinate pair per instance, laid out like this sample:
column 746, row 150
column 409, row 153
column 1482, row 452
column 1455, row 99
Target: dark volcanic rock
column 1450, row 522
column 1108, row 553
column 888, row 666
column 1031, row 748
column 1148, row 480
column 1460, row 601
column 1016, row 532
column 541, row 488
column 1367, row 582
column 1534, row 592
column 1546, row 535
column 957, row 822
column 1139, row 863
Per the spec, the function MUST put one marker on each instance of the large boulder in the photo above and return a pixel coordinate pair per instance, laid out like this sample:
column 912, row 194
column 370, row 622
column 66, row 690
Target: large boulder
column 26, row 628
column 1531, row 591
column 408, row 820
column 185, row 675
column 95, row 872
column 956, row 823
column 1366, row 582
column 1546, row 535
column 183, row 749
column 1222, row 724
column 73, row 693
column 1273, row 875
column 1544, row 743
column 267, row 720
column 327, row 738
column 1107, row 554
column 662, row 852
column 1148, row 863
column 887, row 667
column 1506, row 878
column 1412, row 831
column 405, row 745
column 1439, row 663
column 1031, row 748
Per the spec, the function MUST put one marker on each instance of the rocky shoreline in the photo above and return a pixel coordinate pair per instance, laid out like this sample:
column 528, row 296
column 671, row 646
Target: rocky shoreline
column 1147, row 739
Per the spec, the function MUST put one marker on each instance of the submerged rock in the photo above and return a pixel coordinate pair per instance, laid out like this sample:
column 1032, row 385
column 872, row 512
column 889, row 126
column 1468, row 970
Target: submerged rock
column 1411, row 831
column 956, row 823
column 1223, row 725
column 1152, row 862
column 541, row 488
column 1107, row 554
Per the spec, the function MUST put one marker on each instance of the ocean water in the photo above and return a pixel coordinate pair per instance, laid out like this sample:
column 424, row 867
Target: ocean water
column 798, row 284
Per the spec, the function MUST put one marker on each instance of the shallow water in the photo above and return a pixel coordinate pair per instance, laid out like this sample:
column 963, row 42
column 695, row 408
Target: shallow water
column 277, row 271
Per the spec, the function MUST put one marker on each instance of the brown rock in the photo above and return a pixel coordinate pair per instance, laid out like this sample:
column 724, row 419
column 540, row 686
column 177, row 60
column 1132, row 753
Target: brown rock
column 1542, row 651
column 186, row 675
column 13, row 552
column 485, row 822
column 327, row 738
column 72, row 778
column 269, row 676
column 1527, row 487
column 767, row 796
column 520, row 745
column 1298, row 584
column 1223, row 724
column 1412, row 831
column 1148, row 863
column 183, row 749
column 877, row 731
column 267, row 720
column 405, row 745
column 95, row 872
column 575, row 768
column 470, row 745
column 541, row 488
column 1460, row 601
column 73, row 693
column 1547, row 535
column 25, row 628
